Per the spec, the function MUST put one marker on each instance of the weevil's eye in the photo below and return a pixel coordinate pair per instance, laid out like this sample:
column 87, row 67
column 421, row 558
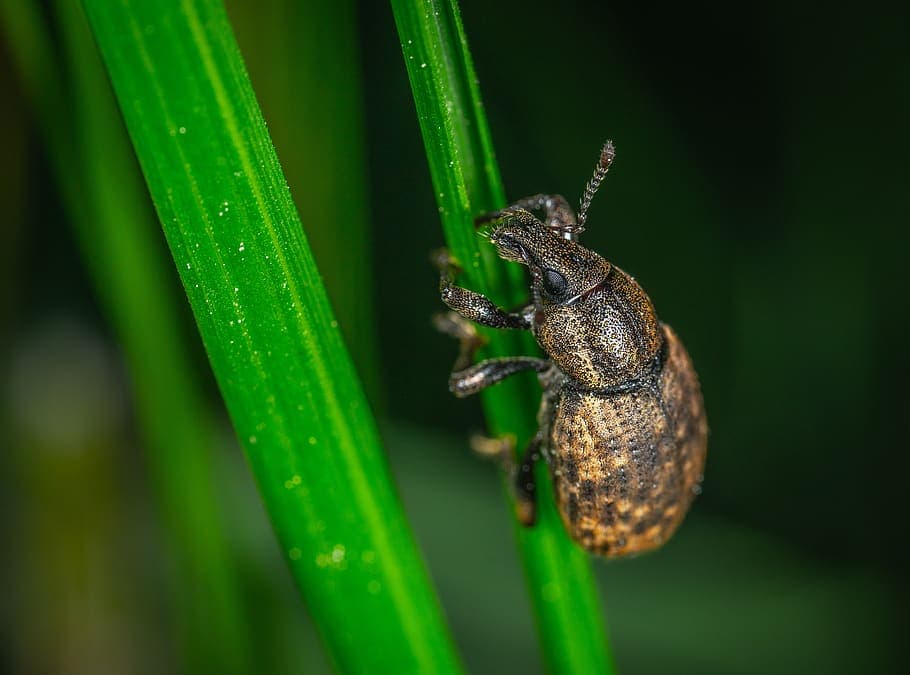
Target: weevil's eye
column 554, row 284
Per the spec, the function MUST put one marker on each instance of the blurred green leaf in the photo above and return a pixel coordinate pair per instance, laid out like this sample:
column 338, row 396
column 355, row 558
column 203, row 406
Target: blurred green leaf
column 110, row 211
column 320, row 140
column 270, row 334
column 466, row 181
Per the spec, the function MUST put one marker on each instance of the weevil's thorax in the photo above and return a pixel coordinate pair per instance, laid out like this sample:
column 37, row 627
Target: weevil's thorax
column 592, row 319
column 606, row 338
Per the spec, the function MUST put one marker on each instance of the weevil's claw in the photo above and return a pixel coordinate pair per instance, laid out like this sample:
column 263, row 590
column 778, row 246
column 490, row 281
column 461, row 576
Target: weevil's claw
column 488, row 217
column 525, row 511
column 456, row 326
column 500, row 449
column 521, row 477
column 446, row 263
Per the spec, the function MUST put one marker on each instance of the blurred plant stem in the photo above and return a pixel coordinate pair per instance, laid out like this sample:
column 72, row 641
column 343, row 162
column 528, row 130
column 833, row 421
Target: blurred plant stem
column 320, row 139
column 272, row 340
column 109, row 210
column 466, row 181
column 75, row 609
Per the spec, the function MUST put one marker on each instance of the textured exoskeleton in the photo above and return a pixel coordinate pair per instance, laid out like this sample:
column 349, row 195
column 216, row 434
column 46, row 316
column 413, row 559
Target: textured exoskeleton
column 622, row 422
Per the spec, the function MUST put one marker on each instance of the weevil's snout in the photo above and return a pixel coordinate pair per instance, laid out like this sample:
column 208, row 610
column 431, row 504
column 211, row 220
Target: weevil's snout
column 512, row 243
column 526, row 243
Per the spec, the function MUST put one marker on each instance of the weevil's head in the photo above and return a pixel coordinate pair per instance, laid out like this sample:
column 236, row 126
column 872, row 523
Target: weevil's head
column 593, row 320
column 562, row 271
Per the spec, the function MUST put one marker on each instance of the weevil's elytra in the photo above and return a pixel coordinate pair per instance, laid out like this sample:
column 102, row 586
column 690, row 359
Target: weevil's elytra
column 621, row 423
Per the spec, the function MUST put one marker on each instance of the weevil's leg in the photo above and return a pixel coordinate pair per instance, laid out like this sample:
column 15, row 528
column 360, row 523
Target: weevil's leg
column 472, row 305
column 479, row 308
column 473, row 379
column 444, row 262
column 467, row 379
column 558, row 214
column 469, row 340
column 526, row 483
column 521, row 475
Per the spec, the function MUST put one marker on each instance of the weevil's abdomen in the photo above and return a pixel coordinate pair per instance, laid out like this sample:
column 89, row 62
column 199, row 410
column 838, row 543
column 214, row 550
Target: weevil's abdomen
column 626, row 466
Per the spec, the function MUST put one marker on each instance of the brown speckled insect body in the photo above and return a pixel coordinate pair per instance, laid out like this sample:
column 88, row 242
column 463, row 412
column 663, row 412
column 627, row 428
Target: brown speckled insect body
column 622, row 422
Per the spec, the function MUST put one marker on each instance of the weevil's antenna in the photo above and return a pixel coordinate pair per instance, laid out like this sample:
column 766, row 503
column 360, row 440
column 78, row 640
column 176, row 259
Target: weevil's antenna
column 600, row 171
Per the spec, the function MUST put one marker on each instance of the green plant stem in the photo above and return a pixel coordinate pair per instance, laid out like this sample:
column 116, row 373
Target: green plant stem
column 272, row 340
column 112, row 220
column 466, row 180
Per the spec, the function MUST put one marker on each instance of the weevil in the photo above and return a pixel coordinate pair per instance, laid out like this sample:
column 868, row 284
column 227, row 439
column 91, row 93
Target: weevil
column 621, row 422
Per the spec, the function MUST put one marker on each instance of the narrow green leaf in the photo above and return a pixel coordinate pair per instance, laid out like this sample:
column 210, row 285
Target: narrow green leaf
column 466, row 180
column 270, row 334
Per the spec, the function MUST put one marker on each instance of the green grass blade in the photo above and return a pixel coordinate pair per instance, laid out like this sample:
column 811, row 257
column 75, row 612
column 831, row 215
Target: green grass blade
column 272, row 340
column 108, row 207
column 466, row 180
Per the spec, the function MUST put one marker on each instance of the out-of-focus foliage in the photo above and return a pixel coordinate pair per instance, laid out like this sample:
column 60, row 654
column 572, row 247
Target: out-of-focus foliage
column 758, row 195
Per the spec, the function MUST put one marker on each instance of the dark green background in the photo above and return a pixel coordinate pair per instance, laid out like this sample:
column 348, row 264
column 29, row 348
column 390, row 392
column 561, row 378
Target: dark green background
column 760, row 195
